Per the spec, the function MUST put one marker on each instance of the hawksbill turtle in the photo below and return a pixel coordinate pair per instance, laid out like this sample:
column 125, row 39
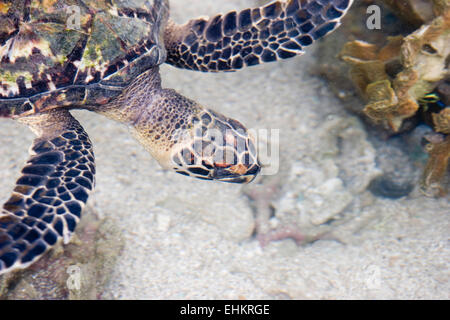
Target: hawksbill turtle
column 103, row 56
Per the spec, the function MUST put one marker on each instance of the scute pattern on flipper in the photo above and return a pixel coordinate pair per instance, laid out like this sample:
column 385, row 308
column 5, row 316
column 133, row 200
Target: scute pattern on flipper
column 279, row 30
column 48, row 199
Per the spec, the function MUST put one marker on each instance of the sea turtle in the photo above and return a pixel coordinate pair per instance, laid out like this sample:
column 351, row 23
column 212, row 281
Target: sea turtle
column 103, row 56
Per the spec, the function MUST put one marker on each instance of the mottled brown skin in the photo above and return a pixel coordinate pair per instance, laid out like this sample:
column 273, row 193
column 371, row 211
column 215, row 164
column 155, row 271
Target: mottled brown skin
column 110, row 66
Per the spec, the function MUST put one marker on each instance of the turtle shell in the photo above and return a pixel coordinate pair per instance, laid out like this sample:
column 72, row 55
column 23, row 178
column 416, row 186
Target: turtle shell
column 73, row 52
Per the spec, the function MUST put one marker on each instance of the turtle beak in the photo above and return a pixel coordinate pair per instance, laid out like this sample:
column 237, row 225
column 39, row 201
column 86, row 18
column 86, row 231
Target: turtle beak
column 242, row 174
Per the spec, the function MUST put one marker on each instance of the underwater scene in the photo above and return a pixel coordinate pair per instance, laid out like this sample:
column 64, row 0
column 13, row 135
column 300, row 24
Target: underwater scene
column 244, row 149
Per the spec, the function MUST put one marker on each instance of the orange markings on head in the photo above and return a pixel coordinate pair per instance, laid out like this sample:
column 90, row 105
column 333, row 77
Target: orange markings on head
column 238, row 169
column 221, row 165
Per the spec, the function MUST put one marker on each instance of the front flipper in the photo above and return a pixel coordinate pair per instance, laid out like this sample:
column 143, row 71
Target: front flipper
column 48, row 199
column 280, row 30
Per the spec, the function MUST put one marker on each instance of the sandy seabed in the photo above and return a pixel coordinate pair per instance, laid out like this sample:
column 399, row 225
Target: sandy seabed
column 190, row 239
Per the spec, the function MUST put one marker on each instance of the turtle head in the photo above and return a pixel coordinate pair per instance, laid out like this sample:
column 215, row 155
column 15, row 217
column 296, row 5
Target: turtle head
column 194, row 141
column 215, row 148
column 198, row 142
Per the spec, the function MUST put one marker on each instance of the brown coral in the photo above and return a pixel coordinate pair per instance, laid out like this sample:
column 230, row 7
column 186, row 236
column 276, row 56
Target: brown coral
column 417, row 12
column 439, row 151
column 393, row 78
